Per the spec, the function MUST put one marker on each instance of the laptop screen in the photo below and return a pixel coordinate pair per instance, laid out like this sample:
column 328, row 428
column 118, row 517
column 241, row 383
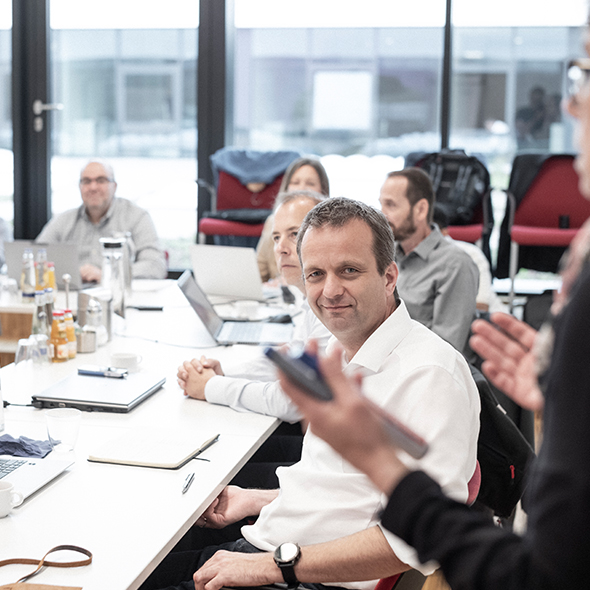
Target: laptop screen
column 199, row 302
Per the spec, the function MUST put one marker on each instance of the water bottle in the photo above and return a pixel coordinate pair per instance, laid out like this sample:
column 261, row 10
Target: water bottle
column 113, row 272
column 27, row 277
column 130, row 253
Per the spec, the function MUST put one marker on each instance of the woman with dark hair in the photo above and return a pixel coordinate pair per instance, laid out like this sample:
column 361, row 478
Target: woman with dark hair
column 547, row 370
column 303, row 174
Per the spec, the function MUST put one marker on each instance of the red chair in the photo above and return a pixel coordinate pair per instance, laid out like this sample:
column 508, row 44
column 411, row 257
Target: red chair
column 413, row 579
column 232, row 196
column 549, row 214
column 235, row 209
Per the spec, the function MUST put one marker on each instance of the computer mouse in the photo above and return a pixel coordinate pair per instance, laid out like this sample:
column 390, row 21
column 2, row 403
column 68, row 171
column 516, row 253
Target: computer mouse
column 284, row 318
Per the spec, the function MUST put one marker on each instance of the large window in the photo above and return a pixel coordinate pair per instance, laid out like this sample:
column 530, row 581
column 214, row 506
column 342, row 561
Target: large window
column 509, row 63
column 338, row 79
column 127, row 80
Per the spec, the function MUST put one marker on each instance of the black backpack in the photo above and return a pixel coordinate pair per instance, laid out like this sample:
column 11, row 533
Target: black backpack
column 460, row 182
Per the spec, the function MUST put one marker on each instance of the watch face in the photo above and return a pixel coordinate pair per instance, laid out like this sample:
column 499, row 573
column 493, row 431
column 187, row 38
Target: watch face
column 287, row 551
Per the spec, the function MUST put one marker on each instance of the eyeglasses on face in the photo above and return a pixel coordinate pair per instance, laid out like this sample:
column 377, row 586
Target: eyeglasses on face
column 85, row 181
column 578, row 74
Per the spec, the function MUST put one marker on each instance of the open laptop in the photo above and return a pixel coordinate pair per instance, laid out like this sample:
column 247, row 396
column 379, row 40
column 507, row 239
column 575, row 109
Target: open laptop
column 227, row 271
column 101, row 394
column 228, row 332
column 64, row 256
column 29, row 475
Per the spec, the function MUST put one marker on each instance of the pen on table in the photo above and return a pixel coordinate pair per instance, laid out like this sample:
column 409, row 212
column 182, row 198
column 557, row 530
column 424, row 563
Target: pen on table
column 187, row 482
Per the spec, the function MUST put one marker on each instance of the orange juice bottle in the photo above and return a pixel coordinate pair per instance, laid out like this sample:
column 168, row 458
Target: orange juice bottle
column 58, row 340
column 50, row 278
column 70, row 333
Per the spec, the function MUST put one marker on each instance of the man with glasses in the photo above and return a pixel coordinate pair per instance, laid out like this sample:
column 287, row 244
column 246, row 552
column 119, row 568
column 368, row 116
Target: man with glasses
column 103, row 215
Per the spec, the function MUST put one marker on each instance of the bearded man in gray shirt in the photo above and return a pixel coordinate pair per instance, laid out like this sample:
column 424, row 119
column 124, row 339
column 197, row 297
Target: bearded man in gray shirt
column 437, row 280
column 104, row 215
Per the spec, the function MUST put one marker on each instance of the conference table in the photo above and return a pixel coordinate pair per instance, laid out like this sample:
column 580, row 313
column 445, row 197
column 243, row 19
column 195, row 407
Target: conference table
column 128, row 517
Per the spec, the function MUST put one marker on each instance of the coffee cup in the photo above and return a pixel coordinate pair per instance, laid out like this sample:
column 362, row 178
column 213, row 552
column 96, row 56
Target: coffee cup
column 9, row 498
column 126, row 360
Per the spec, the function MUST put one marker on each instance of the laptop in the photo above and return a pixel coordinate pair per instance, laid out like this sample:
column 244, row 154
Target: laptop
column 227, row 271
column 228, row 332
column 100, row 394
column 63, row 255
column 29, row 475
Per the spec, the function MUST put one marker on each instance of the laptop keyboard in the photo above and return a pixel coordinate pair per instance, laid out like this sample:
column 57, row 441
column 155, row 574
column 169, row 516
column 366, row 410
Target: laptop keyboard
column 245, row 332
column 7, row 466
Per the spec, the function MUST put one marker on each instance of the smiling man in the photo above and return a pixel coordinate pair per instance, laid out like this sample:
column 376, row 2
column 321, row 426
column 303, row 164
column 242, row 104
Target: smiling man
column 325, row 514
column 104, row 215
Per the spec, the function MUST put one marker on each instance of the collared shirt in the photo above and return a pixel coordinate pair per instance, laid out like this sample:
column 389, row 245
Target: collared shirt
column 426, row 384
column 123, row 216
column 253, row 386
column 439, row 283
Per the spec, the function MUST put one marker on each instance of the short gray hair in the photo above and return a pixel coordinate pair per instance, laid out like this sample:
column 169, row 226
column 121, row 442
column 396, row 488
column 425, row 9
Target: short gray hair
column 339, row 211
column 287, row 197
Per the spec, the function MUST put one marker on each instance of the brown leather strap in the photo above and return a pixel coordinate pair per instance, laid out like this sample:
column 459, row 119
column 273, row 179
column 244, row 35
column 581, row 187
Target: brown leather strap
column 43, row 563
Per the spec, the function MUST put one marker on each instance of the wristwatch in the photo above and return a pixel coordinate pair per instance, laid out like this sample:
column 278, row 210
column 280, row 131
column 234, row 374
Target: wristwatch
column 286, row 556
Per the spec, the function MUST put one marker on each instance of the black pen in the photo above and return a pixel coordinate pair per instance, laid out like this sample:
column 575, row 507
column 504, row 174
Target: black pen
column 187, row 482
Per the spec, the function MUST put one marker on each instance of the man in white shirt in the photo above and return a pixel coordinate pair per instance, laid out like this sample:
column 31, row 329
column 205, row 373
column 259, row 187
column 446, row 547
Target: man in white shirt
column 323, row 522
column 253, row 386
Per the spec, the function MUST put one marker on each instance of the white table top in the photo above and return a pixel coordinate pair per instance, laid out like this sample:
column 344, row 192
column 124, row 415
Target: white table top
column 129, row 517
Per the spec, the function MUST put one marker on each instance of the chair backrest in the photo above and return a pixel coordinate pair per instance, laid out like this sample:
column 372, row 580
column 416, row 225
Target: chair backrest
column 543, row 187
column 553, row 195
column 232, row 194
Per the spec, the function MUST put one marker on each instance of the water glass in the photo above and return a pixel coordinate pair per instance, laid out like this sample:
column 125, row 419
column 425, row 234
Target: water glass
column 26, row 350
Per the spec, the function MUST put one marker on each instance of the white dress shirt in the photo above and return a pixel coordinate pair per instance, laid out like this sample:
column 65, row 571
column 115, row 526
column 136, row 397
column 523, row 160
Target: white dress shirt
column 427, row 385
column 253, row 386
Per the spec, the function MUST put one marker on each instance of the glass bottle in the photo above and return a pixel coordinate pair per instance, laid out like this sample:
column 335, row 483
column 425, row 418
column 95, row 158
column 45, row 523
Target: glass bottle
column 113, row 272
column 41, row 269
column 59, row 339
column 51, row 279
column 49, row 305
column 40, row 323
column 70, row 333
column 27, row 277
column 130, row 252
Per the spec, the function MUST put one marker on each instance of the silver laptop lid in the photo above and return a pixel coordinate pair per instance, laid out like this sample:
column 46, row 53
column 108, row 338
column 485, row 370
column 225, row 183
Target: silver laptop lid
column 227, row 270
column 199, row 302
column 64, row 256
column 104, row 394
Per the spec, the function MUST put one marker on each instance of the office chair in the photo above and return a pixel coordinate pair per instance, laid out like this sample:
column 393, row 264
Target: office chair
column 413, row 579
column 547, row 212
column 236, row 210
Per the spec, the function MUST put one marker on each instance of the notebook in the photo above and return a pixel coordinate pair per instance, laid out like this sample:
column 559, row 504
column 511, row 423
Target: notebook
column 164, row 448
column 29, row 475
column 228, row 271
column 228, row 332
column 102, row 394
column 64, row 256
